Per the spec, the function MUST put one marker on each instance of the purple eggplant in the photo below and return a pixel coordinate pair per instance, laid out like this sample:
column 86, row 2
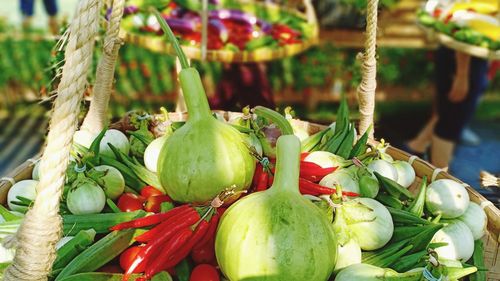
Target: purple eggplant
column 129, row 10
column 241, row 17
column 235, row 15
column 181, row 25
column 191, row 16
column 217, row 26
column 265, row 27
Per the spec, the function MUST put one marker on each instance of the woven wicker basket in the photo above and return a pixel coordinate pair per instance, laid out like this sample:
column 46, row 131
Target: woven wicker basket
column 491, row 239
column 41, row 227
column 161, row 45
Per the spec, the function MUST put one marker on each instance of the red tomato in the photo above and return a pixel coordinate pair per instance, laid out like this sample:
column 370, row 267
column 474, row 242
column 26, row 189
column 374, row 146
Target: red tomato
column 153, row 203
column 128, row 257
column 149, row 191
column 204, row 272
column 129, row 202
column 205, row 254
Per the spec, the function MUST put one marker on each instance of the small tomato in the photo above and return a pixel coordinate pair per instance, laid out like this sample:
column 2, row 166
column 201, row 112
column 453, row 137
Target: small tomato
column 130, row 202
column 204, row 272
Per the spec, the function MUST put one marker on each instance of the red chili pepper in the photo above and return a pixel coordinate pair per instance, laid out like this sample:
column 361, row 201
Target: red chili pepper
column 308, row 187
column 257, row 175
column 214, row 222
column 303, row 155
column 150, row 220
column 155, row 245
column 263, row 182
column 170, row 226
column 313, row 170
column 174, row 244
column 184, row 251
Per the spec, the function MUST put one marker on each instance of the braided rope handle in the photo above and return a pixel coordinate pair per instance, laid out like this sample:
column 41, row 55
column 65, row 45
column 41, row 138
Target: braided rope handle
column 96, row 119
column 366, row 89
column 41, row 227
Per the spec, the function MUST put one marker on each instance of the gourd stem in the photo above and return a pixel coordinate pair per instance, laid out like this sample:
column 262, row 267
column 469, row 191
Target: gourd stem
column 194, row 94
column 170, row 35
column 276, row 118
column 192, row 87
column 287, row 164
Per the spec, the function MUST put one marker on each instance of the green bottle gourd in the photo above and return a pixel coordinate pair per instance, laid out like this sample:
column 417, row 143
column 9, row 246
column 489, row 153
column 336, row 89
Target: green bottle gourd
column 205, row 156
column 277, row 234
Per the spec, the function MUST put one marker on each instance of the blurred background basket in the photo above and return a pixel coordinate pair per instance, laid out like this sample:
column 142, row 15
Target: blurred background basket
column 268, row 11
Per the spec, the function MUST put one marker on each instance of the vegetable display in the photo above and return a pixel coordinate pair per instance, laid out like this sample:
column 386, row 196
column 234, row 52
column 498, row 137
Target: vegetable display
column 250, row 196
column 301, row 207
column 473, row 23
column 233, row 28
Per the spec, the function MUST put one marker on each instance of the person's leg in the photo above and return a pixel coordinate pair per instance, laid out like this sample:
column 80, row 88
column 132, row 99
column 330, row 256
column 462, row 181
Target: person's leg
column 27, row 9
column 445, row 127
column 441, row 152
column 478, row 83
column 51, row 8
column 456, row 115
column 422, row 141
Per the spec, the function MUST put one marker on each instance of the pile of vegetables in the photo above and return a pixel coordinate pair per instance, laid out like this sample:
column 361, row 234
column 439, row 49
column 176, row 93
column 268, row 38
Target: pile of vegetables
column 474, row 23
column 230, row 26
column 254, row 197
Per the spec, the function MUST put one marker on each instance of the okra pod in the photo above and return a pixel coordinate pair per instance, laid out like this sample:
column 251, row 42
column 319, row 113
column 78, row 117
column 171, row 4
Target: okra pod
column 408, row 262
column 7, row 215
column 417, row 206
column 406, row 232
column 140, row 171
column 101, row 223
column 99, row 253
column 392, row 187
column 403, row 217
column 384, row 252
column 131, row 179
column 389, row 260
column 421, row 241
column 75, row 246
column 390, row 201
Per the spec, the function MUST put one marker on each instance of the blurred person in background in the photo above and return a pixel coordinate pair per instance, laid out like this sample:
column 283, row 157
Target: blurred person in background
column 243, row 84
column 27, row 10
column 460, row 82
